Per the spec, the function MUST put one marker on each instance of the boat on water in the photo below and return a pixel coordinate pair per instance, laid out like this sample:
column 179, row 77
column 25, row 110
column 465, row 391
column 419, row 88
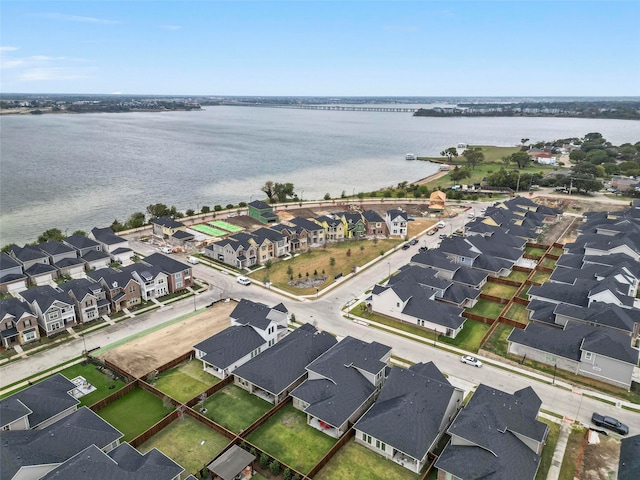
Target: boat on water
column 410, row 156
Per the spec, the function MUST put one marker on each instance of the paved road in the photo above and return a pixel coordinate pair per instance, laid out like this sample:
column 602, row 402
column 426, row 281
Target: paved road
column 326, row 313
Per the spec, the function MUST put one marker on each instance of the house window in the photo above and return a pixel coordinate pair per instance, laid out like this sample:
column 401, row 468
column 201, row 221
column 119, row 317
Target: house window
column 9, row 324
column 398, row 304
column 29, row 335
column 53, row 315
column 367, row 438
column 88, row 303
column 380, row 445
column 27, row 323
column 53, row 326
column 132, row 289
column 588, row 355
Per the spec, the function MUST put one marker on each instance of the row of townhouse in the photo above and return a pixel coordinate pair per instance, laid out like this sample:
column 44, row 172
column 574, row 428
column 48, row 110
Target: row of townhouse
column 83, row 300
column 244, row 250
column 44, row 435
column 72, row 257
column 399, row 413
column 586, row 319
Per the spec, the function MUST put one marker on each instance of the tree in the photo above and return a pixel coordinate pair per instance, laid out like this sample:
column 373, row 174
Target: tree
column 585, row 169
column 190, row 212
column 586, row 184
column 521, row 159
column 506, row 161
column 524, row 141
column 80, row 232
column 268, row 264
column 268, row 189
column 51, row 234
column 158, row 210
column 135, row 220
column 577, row 156
column 450, row 153
column 116, row 226
column 332, row 262
column 473, row 156
column 264, row 460
column 458, row 174
column 597, row 157
column 205, row 209
column 327, row 196
column 283, row 191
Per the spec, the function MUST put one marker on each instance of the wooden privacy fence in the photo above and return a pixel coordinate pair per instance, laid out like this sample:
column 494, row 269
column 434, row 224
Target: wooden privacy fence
column 251, row 428
column 520, row 301
column 169, row 365
column 210, row 391
column 117, row 395
column 151, row 431
column 332, row 451
column 210, row 423
column 494, row 299
column 537, row 245
column 512, row 323
column 479, row 318
column 504, row 281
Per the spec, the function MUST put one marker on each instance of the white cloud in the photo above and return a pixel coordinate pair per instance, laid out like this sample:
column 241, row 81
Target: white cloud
column 171, row 27
column 8, row 49
column 78, row 18
column 43, row 67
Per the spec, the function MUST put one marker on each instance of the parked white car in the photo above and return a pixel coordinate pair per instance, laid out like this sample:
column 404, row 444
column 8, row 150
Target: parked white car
column 243, row 280
column 193, row 260
column 166, row 250
column 441, row 224
column 469, row 360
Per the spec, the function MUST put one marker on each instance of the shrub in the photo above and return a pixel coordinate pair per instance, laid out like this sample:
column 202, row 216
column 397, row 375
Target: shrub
column 286, row 475
column 217, row 208
column 274, row 468
column 264, row 460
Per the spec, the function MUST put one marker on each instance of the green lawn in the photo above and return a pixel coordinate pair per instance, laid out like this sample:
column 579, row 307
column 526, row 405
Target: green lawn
column 185, row 381
column 487, row 309
column 535, row 251
column 347, row 255
column 523, row 293
column 287, row 437
column 548, row 449
column 105, row 385
column 569, row 465
column 355, row 462
column 497, row 342
column 518, row 276
column 187, row 442
column 540, row 277
column 499, row 290
column 549, row 262
column 470, row 336
column 134, row 413
column 235, row 408
column 518, row 313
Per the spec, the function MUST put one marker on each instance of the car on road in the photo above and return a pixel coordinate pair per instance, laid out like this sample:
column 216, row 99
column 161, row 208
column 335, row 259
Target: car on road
column 483, row 209
column 432, row 231
column 193, row 260
column 469, row 360
column 166, row 250
column 609, row 423
column 443, row 235
column 423, row 250
column 471, row 215
column 243, row 280
column 406, row 246
column 441, row 225
column 414, row 242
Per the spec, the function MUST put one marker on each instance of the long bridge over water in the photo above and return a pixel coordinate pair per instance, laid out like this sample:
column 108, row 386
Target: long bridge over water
column 346, row 108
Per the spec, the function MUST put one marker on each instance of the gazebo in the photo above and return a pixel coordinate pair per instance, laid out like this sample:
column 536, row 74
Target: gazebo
column 231, row 464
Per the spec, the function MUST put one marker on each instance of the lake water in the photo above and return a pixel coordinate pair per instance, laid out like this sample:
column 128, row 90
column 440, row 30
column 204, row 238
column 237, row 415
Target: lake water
column 80, row 171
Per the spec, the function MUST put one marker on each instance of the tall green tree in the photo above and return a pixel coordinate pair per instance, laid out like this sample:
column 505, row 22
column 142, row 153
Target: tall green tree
column 450, row 153
column 521, row 159
column 474, row 157
column 51, row 234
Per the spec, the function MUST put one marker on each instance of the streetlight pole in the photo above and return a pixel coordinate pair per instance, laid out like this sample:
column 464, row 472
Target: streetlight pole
column 194, row 302
column 389, row 277
column 84, row 343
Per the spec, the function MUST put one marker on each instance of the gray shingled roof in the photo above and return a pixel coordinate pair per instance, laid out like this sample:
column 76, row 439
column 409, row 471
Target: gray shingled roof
column 228, row 465
column 435, row 259
column 629, row 462
column 55, row 444
column 166, row 264
column 53, row 247
column 7, row 261
column 252, row 313
column 80, row 242
column 490, row 422
column 106, row 236
column 167, row 222
column 229, row 345
column 279, row 366
column 409, row 411
column 45, row 296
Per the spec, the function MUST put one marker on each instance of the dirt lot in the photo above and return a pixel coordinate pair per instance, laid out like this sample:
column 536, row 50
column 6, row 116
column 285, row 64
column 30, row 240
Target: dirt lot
column 600, row 461
column 147, row 353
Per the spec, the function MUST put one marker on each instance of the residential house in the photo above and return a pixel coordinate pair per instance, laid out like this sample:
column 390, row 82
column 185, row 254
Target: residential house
column 408, row 299
column 165, row 227
column 117, row 247
column 274, row 373
column 397, row 223
column 31, row 454
column 35, row 264
column 262, row 212
column 354, row 226
column 270, row 244
column 122, row 290
column 53, row 308
column 154, row 283
column 629, row 462
column 239, row 250
column 297, row 237
column 89, row 251
column 18, row 325
column 179, row 275
column 89, row 297
column 64, row 258
column 415, row 407
column 315, row 233
column 496, row 435
column 12, row 278
column 342, row 384
column 254, row 328
column 375, row 225
column 333, row 227
column 622, row 183
column 583, row 292
column 597, row 352
column 123, row 462
column 39, row 405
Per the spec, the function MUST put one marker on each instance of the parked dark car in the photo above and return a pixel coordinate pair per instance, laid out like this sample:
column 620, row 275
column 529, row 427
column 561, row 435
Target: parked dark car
column 423, row 249
column 406, row 246
column 413, row 242
column 609, row 423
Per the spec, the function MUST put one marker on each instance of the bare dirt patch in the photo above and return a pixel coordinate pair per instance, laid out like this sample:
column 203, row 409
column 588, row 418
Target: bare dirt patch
column 600, row 461
column 144, row 354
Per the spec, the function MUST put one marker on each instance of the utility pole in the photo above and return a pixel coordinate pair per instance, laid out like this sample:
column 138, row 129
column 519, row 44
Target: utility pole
column 570, row 185
column 518, row 184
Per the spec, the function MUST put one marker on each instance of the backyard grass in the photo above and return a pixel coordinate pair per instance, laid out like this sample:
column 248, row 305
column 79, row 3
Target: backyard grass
column 287, row 437
column 540, row 277
column 518, row 313
column 105, row 384
column 535, row 251
column 499, row 290
column 235, row 408
column 549, row 262
column 569, row 465
column 497, row 341
column 470, row 336
column 354, row 462
column 548, row 449
column 185, row 381
column 134, row 413
column 523, row 293
column 518, row 276
column 187, row 442
column 487, row 309
column 347, row 255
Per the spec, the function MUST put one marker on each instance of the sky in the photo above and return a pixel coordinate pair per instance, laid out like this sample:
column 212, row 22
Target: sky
column 321, row 48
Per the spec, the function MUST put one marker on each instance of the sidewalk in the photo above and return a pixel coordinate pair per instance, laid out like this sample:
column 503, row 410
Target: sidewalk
column 558, row 454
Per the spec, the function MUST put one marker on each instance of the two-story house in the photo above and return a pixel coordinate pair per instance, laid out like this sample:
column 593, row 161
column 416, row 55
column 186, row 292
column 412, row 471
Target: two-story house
column 375, row 225
column 12, row 278
column 18, row 325
column 397, row 223
column 117, row 247
column 154, row 283
column 89, row 298
column 35, row 264
column 179, row 275
column 333, row 227
column 64, row 258
column 89, row 251
column 54, row 309
column 121, row 288
column 315, row 232
column 262, row 212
